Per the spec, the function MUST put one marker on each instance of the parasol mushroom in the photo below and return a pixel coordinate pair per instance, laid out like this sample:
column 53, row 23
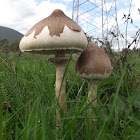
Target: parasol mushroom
column 93, row 65
column 58, row 35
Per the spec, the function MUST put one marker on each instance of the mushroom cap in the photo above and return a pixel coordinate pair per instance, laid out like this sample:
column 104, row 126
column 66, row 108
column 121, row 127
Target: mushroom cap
column 54, row 33
column 93, row 63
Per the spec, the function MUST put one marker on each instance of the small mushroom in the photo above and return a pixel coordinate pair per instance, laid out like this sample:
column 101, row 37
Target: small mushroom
column 58, row 35
column 93, row 65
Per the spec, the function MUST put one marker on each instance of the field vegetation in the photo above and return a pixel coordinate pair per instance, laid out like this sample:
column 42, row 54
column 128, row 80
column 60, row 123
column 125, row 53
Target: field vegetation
column 28, row 104
column 27, row 96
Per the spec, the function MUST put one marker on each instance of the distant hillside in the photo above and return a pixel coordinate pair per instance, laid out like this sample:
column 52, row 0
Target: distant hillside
column 10, row 34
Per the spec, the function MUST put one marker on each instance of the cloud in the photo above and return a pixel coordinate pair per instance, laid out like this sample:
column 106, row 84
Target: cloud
column 136, row 4
column 131, row 29
column 84, row 19
column 96, row 1
column 68, row 0
column 21, row 15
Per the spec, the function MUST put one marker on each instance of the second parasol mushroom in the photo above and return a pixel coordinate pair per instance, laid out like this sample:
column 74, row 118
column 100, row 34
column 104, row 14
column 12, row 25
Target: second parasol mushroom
column 58, row 35
column 93, row 65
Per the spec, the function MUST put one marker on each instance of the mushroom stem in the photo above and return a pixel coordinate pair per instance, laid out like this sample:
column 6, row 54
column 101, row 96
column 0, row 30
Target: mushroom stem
column 60, row 90
column 91, row 98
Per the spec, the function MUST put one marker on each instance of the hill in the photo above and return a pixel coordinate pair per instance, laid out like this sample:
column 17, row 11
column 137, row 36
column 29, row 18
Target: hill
column 10, row 34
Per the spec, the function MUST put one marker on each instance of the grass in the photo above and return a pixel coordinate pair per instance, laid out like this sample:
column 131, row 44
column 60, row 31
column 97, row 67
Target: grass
column 27, row 85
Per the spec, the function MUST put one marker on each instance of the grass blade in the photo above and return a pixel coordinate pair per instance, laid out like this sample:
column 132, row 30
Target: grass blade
column 137, row 135
column 1, row 114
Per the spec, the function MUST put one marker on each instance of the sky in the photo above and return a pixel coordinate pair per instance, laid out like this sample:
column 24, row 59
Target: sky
column 21, row 15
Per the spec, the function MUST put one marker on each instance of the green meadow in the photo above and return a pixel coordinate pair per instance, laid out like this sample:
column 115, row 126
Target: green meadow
column 28, row 103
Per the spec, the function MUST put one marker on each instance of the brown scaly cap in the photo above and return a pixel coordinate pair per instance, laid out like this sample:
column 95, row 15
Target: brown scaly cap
column 54, row 34
column 93, row 60
column 55, row 22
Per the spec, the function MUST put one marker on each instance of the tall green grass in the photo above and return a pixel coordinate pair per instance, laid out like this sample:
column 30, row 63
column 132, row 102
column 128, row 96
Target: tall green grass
column 27, row 84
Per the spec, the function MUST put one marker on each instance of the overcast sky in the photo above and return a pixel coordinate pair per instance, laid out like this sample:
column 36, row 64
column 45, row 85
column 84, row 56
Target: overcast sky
column 21, row 15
